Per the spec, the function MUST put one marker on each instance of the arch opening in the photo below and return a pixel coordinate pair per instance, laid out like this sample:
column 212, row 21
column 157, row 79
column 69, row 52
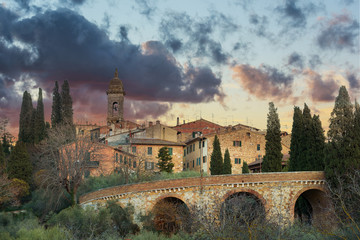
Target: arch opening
column 313, row 207
column 242, row 209
column 171, row 215
column 115, row 108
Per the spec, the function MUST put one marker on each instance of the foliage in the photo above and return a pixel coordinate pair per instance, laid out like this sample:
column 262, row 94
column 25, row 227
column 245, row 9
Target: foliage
column 56, row 112
column 19, row 165
column 245, row 168
column 216, row 162
column 26, row 119
column 39, row 127
column 165, row 164
column 12, row 190
column 317, row 147
column 2, row 158
column 273, row 156
column 66, row 104
column 227, row 163
column 6, row 145
column 121, row 219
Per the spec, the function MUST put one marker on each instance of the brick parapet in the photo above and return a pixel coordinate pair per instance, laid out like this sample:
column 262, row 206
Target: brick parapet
column 178, row 184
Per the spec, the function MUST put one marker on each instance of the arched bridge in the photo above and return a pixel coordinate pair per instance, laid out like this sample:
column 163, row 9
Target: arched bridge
column 277, row 192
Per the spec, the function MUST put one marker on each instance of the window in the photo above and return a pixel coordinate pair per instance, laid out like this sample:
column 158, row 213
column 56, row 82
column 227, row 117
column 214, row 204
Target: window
column 134, row 149
column 237, row 160
column 187, row 165
column 184, row 167
column 203, row 144
column 134, row 164
column 125, row 160
column 116, row 157
column 121, row 158
column 200, row 144
column 149, row 166
column 198, row 161
column 184, row 152
column 258, row 147
column 193, row 163
column 204, row 159
column 170, row 151
column 237, row 143
column 149, row 150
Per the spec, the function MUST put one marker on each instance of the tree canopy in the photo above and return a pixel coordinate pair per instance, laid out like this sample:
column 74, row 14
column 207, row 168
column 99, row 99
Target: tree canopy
column 227, row 163
column 216, row 161
column 165, row 163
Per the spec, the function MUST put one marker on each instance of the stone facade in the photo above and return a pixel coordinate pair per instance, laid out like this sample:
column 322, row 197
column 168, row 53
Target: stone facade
column 278, row 193
column 243, row 144
column 160, row 131
column 148, row 149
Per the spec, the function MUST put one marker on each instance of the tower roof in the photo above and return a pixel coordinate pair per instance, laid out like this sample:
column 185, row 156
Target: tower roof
column 116, row 85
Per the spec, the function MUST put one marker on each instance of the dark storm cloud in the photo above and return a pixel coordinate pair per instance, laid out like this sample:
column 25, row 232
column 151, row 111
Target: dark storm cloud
column 314, row 61
column 340, row 32
column 264, row 82
column 353, row 80
column 63, row 45
column 25, row 4
column 184, row 33
column 321, row 90
column 296, row 60
column 294, row 13
column 145, row 110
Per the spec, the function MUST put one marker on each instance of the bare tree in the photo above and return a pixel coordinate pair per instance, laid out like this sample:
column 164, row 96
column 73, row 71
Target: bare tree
column 62, row 161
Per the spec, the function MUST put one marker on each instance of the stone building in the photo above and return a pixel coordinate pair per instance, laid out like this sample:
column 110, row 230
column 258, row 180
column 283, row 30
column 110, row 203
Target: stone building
column 243, row 144
column 115, row 93
column 147, row 149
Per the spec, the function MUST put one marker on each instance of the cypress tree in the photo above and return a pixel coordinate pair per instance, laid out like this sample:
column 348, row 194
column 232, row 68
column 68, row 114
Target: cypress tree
column 306, row 141
column 317, row 148
column 39, row 119
column 273, row 155
column 26, row 117
column 66, row 104
column 216, row 161
column 357, row 124
column 245, row 168
column 165, row 164
column 295, row 145
column 19, row 165
column 343, row 154
column 227, row 163
column 56, row 112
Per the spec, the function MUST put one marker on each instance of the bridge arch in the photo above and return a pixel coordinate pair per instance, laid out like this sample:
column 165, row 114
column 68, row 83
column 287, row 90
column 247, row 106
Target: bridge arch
column 171, row 214
column 246, row 190
column 320, row 205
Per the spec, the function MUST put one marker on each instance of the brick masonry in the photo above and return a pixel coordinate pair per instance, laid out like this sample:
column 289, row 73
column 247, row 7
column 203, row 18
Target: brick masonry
column 277, row 191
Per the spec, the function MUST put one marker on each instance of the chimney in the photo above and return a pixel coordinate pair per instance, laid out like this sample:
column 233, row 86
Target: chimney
column 157, row 122
column 184, row 121
column 177, row 121
column 150, row 124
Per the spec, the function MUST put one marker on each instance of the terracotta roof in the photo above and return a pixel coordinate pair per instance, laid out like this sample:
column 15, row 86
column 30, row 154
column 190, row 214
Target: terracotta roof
column 154, row 141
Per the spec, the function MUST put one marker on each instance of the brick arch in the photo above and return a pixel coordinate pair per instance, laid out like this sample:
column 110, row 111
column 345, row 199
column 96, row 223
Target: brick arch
column 319, row 200
column 246, row 190
column 158, row 199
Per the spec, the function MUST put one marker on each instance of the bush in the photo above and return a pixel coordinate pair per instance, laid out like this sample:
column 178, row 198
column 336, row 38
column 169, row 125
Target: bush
column 121, row 219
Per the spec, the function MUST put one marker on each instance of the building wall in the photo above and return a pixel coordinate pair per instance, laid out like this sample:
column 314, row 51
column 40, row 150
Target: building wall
column 246, row 152
column 163, row 132
column 194, row 151
column 143, row 156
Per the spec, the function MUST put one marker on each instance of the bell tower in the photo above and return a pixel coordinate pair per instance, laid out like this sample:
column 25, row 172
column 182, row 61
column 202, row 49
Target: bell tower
column 115, row 95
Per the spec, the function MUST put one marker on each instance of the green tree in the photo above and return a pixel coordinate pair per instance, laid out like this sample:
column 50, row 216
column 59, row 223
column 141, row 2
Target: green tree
column 165, row 160
column 295, row 145
column 357, row 123
column 273, row 155
column 6, row 145
column 306, row 140
column 2, row 158
column 227, row 163
column 245, row 168
column 317, row 148
column 343, row 153
column 19, row 165
column 66, row 104
column 39, row 127
column 26, row 117
column 56, row 111
column 216, row 161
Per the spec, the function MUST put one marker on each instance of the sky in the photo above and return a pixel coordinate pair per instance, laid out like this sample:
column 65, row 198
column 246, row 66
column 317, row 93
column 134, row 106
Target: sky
column 223, row 61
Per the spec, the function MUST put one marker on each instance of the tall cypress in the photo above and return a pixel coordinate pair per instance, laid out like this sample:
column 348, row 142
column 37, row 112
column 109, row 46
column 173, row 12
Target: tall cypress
column 66, row 104
column 343, row 154
column 19, row 165
column 39, row 127
column 306, row 141
column 26, row 119
column 317, row 147
column 56, row 112
column 216, row 161
column 227, row 163
column 273, row 156
column 295, row 145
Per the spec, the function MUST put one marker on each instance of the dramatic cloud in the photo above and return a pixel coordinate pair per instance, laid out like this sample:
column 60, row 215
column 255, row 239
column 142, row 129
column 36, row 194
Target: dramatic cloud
column 340, row 32
column 353, row 80
column 61, row 44
column 321, row 90
column 296, row 60
column 145, row 110
column 183, row 33
column 264, row 82
column 293, row 15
